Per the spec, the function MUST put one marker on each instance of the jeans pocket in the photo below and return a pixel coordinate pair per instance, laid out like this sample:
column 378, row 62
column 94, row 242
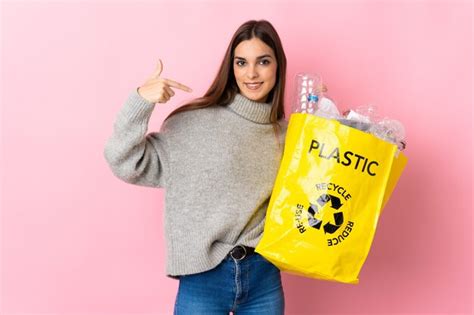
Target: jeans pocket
column 266, row 261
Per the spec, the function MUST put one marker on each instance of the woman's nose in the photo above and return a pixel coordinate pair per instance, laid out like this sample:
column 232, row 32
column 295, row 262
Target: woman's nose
column 252, row 72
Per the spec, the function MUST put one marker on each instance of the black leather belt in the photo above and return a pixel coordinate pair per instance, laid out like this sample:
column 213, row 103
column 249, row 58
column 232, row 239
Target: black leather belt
column 239, row 252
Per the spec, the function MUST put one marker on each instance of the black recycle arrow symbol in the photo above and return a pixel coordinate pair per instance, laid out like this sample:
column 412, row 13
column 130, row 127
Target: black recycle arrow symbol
column 338, row 216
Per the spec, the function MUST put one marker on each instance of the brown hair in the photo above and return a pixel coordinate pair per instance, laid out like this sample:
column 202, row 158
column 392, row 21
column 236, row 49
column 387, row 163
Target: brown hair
column 223, row 89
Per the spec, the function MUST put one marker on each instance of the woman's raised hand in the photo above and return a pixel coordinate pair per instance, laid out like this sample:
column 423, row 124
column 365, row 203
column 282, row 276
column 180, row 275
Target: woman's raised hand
column 157, row 89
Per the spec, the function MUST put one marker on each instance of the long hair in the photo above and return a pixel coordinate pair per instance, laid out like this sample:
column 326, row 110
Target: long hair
column 224, row 87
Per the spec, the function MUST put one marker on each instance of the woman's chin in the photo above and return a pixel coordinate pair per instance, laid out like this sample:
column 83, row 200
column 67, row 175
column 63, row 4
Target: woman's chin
column 257, row 97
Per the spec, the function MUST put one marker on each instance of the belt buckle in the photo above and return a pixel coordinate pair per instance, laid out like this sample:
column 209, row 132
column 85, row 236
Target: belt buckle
column 239, row 258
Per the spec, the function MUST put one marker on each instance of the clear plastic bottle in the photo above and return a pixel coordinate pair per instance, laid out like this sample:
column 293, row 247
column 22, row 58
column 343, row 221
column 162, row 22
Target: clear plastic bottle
column 307, row 95
column 390, row 130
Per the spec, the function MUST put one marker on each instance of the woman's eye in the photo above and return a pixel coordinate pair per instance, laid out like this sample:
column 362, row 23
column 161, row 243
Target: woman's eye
column 240, row 62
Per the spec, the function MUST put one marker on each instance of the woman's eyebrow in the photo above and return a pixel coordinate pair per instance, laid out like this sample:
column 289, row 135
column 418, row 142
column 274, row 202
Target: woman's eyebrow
column 259, row 57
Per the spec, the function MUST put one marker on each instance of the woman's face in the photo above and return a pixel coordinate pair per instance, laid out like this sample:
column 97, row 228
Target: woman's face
column 255, row 62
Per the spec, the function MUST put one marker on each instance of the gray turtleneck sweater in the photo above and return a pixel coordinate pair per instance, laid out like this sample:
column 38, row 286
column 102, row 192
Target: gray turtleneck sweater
column 217, row 165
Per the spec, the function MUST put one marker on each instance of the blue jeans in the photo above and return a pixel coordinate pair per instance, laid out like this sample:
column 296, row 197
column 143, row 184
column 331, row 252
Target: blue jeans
column 248, row 286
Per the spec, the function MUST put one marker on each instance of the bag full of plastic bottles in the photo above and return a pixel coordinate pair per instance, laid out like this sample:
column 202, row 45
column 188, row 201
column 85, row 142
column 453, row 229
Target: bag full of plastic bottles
column 336, row 175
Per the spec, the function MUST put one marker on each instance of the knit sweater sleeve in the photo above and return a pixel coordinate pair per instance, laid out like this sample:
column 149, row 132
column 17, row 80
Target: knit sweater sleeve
column 133, row 155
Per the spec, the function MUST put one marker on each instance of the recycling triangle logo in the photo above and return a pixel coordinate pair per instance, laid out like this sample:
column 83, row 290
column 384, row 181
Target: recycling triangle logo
column 336, row 221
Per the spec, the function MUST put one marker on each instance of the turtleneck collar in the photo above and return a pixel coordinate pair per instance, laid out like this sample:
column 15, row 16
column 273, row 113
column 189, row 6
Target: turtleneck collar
column 258, row 112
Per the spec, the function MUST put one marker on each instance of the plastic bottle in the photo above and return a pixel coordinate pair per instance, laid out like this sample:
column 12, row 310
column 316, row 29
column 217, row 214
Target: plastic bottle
column 306, row 95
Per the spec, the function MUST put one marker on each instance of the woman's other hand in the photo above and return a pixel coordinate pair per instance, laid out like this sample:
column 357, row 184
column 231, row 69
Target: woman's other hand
column 321, row 88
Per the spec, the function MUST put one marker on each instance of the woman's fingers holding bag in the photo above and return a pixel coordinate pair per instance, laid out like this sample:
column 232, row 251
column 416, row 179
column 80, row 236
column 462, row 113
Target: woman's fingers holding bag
column 321, row 88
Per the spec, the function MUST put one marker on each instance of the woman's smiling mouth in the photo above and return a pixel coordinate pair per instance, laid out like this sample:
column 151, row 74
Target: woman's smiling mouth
column 253, row 86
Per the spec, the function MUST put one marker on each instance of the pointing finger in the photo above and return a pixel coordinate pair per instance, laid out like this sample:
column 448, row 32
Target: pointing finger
column 177, row 85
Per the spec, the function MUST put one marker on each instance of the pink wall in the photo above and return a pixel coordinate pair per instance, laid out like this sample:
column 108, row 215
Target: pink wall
column 75, row 239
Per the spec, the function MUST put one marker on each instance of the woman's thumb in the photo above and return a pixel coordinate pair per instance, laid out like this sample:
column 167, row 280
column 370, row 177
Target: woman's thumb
column 158, row 70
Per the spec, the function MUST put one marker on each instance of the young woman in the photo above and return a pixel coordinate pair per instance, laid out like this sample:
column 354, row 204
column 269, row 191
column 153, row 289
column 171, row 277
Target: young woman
column 217, row 158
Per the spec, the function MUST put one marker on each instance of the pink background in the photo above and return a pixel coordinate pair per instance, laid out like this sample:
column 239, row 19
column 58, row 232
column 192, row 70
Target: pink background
column 75, row 239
